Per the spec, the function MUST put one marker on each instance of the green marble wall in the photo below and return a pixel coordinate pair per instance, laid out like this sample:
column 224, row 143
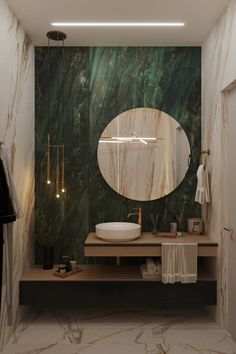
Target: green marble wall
column 83, row 89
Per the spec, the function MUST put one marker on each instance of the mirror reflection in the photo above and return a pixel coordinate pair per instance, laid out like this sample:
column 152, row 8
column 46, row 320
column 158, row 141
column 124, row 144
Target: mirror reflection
column 143, row 154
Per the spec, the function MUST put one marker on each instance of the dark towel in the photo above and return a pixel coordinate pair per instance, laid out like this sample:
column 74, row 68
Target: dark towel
column 7, row 213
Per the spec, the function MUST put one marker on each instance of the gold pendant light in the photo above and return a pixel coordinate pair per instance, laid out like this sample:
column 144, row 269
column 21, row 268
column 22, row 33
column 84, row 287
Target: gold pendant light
column 56, row 150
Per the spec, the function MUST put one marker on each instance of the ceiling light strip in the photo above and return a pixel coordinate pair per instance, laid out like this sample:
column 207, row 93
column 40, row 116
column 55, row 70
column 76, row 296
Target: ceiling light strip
column 119, row 24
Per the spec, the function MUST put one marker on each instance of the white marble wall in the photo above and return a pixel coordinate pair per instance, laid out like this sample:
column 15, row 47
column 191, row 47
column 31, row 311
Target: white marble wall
column 218, row 71
column 17, row 132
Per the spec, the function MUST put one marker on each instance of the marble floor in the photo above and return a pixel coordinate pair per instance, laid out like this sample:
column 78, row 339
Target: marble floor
column 120, row 331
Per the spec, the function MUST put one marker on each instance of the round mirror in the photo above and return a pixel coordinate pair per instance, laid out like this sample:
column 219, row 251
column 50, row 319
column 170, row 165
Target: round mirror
column 143, row 154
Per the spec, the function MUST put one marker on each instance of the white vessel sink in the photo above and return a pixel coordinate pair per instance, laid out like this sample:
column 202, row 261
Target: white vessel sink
column 118, row 231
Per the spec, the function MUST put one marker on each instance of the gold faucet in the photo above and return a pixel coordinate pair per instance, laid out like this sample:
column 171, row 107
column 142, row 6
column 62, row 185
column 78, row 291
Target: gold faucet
column 139, row 213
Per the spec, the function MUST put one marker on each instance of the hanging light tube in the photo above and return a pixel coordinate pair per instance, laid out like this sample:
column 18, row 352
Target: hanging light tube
column 63, row 169
column 57, row 173
column 48, row 161
column 55, row 36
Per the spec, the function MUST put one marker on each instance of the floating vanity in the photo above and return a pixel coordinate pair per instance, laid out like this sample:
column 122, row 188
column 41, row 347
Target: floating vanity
column 111, row 285
column 145, row 246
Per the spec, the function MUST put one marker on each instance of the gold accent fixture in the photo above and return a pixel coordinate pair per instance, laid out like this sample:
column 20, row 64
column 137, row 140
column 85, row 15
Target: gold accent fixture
column 203, row 156
column 129, row 139
column 63, row 169
column 58, row 152
column 48, row 162
column 138, row 212
column 60, row 156
column 57, row 173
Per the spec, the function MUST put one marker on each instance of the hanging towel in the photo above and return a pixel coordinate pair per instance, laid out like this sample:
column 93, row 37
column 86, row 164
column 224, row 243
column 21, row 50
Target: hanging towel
column 189, row 253
column 202, row 192
column 179, row 262
column 9, row 211
column 10, row 183
column 199, row 196
column 171, row 262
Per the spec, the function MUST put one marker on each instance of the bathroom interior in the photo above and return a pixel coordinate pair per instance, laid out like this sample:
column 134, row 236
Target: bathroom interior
column 117, row 176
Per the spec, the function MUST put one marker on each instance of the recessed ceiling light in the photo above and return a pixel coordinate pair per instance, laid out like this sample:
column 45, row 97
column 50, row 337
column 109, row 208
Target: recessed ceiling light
column 120, row 24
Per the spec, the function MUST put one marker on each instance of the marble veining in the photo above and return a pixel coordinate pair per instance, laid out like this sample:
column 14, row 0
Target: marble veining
column 95, row 85
column 218, row 71
column 120, row 331
column 17, row 133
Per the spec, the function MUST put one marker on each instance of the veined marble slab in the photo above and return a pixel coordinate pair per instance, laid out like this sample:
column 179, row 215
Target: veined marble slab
column 17, row 133
column 218, row 71
column 122, row 331
column 97, row 84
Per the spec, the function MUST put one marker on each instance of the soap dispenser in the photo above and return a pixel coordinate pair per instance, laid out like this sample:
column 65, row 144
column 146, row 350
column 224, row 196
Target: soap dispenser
column 173, row 224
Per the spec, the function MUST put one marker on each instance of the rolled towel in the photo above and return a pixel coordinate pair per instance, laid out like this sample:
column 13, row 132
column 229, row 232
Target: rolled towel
column 146, row 274
column 151, row 265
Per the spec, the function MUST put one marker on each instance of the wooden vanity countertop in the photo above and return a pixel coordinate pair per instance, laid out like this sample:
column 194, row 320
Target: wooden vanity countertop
column 147, row 239
column 147, row 245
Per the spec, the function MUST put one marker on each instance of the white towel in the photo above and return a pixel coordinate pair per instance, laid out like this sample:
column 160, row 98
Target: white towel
column 179, row 262
column 146, row 274
column 171, row 262
column 202, row 192
column 151, row 265
column 189, row 253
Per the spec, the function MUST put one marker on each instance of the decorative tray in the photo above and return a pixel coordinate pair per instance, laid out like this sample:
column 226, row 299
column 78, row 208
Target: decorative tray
column 67, row 274
column 166, row 234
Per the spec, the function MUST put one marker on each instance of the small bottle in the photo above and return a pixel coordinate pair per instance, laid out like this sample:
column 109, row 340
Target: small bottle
column 66, row 262
column 174, row 224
